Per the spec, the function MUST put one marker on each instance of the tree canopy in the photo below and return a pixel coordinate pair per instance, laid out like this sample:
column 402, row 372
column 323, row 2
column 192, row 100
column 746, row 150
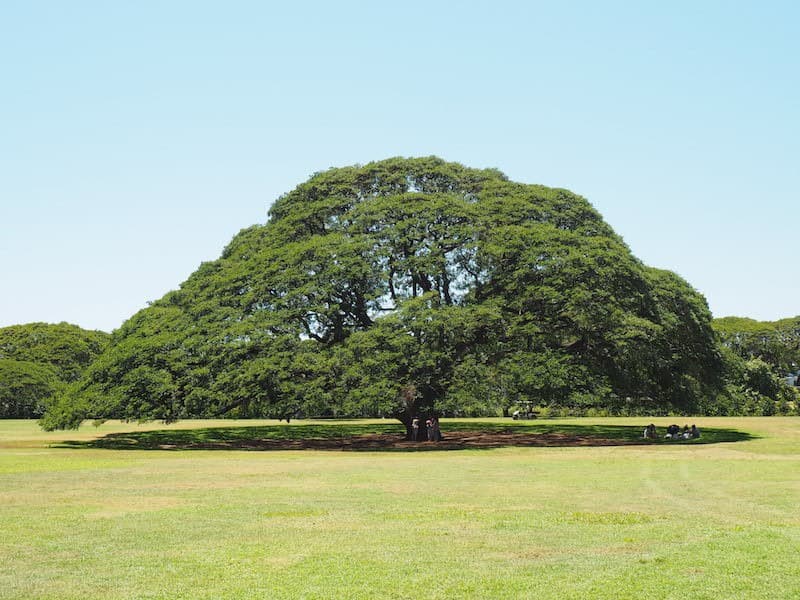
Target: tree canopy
column 409, row 286
column 38, row 359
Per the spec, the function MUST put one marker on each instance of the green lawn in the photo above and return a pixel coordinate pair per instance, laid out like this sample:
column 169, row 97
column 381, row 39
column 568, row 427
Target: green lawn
column 151, row 513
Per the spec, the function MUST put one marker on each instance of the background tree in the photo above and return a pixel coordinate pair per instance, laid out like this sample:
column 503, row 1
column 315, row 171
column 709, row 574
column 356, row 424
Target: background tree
column 775, row 342
column 24, row 388
column 759, row 356
column 66, row 348
column 38, row 360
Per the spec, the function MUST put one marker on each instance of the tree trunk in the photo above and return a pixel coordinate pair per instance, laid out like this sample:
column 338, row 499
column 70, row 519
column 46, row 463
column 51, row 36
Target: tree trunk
column 409, row 431
column 416, row 405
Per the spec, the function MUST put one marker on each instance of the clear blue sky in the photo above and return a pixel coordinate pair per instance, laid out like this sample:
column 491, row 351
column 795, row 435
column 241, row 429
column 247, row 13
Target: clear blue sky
column 136, row 138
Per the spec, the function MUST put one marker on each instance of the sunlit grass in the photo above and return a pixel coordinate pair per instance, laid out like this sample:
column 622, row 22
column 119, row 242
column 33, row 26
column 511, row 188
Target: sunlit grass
column 711, row 520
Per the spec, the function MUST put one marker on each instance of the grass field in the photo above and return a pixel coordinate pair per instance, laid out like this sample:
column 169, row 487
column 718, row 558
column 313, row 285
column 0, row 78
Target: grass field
column 217, row 509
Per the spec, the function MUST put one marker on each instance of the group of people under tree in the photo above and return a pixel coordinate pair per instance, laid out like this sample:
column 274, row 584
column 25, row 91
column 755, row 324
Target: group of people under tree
column 432, row 431
column 674, row 432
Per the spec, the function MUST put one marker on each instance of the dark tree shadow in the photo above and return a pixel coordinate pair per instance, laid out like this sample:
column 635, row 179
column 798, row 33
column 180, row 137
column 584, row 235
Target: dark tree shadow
column 390, row 437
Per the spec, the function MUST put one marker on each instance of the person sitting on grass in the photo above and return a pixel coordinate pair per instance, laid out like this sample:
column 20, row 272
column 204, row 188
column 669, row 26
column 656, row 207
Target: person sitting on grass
column 672, row 432
column 695, row 432
column 650, row 432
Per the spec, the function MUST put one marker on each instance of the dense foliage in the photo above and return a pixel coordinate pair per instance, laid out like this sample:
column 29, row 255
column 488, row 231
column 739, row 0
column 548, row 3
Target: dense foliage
column 38, row 359
column 760, row 359
column 407, row 286
column 775, row 342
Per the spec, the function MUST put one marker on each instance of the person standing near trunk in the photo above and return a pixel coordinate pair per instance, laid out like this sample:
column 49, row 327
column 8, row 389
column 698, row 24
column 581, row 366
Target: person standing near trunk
column 415, row 429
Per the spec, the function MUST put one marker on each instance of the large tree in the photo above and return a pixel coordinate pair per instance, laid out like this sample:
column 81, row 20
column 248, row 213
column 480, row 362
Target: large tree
column 386, row 289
